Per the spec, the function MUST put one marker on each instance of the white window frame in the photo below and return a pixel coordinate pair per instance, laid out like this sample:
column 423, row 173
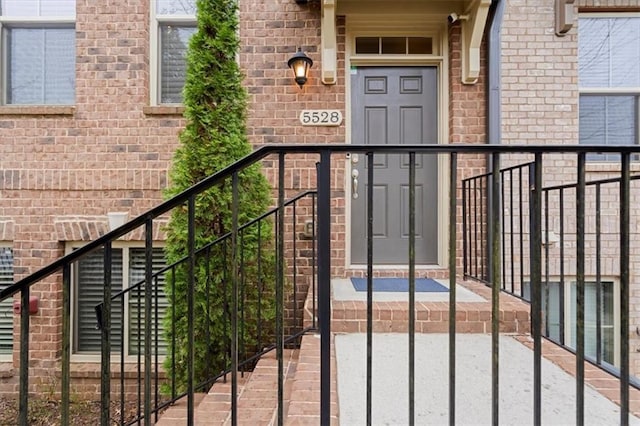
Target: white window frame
column 8, row 357
column 155, row 54
column 24, row 22
column 612, row 91
column 115, row 356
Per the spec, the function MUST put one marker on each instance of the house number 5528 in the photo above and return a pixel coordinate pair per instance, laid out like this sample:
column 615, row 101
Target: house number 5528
column 320, row 117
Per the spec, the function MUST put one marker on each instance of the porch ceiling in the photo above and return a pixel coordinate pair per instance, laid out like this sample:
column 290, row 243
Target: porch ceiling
column 472, row 27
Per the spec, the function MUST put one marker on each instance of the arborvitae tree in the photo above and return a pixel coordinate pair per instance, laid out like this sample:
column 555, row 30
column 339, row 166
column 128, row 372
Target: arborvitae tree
column 215, row 137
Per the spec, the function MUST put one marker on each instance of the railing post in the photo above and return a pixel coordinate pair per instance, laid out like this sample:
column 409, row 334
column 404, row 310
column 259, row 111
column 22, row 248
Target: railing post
column 370, row 170
column 234, row 299
column 324, row 283
column 453, row 176
column 580, row 284
column 625, row 204
column 66, row 342
column 191, row 248
column 148, row 276
column 23, row 415
column 412, row 284
column 535, row 293
column 105, row 390
column 280, row 288
column 495, row 288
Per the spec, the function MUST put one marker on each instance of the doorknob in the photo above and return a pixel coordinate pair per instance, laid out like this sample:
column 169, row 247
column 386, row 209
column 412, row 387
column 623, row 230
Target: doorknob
column 354, row 183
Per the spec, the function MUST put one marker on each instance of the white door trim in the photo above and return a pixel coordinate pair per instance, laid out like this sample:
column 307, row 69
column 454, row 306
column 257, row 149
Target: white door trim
column 440, row 60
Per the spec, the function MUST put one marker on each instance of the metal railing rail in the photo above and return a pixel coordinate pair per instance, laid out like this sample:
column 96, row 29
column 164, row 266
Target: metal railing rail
column 519, row 199
column 323, row 270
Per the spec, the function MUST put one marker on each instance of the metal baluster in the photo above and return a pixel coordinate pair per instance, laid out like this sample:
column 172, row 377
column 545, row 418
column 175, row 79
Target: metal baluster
column 148, row 288
column 280, row 289
column 625, row 205
column 412, row 284
column 105, row 361
column 66, row 342
column 234, row 299
column 370, row 169
column 535, row 285
column 324, row 283
column 580, row 248
column 598, row 276
column 561, row 299
column 453, row 169
column 191, row 248
column 495, row 289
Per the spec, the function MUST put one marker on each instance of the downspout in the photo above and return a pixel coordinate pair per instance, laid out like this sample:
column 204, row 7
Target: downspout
column 494, row 116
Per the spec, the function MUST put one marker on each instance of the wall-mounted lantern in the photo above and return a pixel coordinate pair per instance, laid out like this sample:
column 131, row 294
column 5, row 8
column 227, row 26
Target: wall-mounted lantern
column 300, row 64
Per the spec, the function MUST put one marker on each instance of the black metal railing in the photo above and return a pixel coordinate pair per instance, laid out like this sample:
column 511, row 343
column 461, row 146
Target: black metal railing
column 488, row 209
column 570, row 214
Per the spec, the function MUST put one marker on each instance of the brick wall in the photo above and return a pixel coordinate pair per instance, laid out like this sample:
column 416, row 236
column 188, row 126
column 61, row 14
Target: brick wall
column 540, row 106
column 103, row 154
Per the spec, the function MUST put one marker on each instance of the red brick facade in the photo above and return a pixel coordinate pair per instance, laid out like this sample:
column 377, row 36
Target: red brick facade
column 62, row 169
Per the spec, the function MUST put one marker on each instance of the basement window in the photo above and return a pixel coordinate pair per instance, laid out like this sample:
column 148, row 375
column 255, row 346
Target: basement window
column 394, row 45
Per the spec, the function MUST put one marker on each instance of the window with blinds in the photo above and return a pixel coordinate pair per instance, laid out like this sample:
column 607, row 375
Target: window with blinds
column 127, row 272
column 38, row 47
column 175, row 24
column 557, row 298
column 6, row 309
column 609, row 81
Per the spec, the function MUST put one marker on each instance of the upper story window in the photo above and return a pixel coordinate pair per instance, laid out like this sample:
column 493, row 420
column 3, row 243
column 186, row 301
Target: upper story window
column 174, row 24
column 6, row 311
column 609, row 80
column 37, row 52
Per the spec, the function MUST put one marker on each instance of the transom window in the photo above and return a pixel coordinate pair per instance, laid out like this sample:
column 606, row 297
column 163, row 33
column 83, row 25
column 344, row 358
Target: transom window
column 175, row 23
column 394, row 45
column 127, row 271
column 38, row 52
column 609, row 80
column 6, row 309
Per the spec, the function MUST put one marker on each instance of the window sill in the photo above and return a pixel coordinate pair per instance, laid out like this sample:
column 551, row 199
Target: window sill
column 37, row 110
column 163, row 110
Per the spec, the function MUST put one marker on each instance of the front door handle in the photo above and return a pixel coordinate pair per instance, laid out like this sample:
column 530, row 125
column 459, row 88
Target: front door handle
column 354, row 183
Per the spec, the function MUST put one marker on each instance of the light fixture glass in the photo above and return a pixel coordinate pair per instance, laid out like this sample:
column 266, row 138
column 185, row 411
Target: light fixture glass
column 300, row 64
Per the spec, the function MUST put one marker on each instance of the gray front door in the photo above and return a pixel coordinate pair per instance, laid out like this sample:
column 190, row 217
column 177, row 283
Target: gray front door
column 395, row 105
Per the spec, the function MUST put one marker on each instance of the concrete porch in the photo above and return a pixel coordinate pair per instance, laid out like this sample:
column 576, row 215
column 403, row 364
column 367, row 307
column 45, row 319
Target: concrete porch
column 257, row 401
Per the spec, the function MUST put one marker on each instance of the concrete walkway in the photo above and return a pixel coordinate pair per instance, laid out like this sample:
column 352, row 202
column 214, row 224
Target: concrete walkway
column 390, row 388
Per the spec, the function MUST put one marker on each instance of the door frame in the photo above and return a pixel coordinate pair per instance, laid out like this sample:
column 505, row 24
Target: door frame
column 368, row 25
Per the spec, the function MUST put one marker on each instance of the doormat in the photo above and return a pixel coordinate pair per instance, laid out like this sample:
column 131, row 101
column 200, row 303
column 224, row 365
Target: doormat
column 424, row 285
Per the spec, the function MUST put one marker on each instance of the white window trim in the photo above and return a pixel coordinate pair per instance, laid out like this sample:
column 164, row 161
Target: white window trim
column 7, row 357
column 9, row 21
column 154, row 54
column 115, row 356
column 630, row 91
